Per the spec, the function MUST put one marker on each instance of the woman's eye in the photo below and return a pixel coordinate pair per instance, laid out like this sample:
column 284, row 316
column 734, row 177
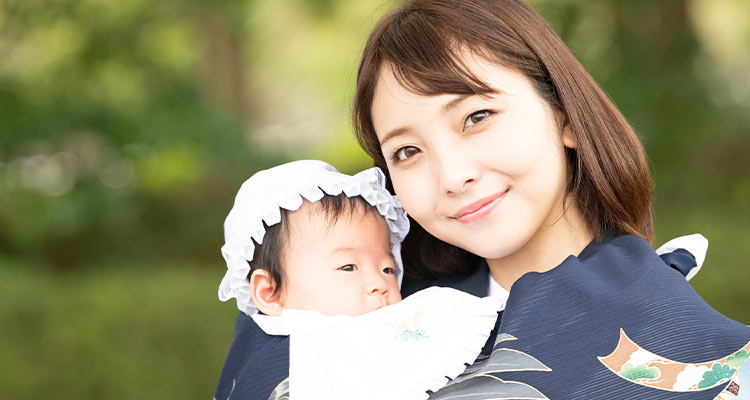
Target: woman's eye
column 476, row 117
column 348, row 268
column 404, row 153
column 389, row 270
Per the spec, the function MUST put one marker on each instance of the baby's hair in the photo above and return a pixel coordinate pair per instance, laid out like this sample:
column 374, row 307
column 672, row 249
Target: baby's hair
column 268, row 256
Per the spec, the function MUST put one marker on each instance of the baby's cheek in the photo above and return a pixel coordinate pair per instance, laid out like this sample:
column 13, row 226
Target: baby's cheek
column 394, row 297
column 348, row 305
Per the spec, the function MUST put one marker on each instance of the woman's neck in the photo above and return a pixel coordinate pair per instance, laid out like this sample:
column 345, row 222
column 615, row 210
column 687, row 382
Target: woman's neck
column 545, row 250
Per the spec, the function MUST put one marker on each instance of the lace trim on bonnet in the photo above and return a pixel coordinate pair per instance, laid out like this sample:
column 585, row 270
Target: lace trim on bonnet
column 262, row 196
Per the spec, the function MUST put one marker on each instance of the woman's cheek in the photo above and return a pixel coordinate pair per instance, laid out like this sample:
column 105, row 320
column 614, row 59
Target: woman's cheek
column 413, row 192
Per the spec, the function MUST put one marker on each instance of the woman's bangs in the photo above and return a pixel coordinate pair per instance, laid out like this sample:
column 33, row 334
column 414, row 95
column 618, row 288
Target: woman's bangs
column 426, row 58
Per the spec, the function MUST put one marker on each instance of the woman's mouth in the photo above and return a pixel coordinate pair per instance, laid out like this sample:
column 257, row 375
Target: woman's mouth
column 478, row 209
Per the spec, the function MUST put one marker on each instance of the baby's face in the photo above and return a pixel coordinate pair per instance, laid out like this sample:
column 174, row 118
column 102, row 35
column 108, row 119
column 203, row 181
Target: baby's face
column 345, row 269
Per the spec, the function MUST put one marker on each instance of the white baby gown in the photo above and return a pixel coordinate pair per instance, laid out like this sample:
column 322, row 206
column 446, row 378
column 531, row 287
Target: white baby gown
column 397, row 352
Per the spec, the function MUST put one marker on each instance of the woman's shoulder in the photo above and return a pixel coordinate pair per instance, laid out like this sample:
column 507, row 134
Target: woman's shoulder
column 684, row 254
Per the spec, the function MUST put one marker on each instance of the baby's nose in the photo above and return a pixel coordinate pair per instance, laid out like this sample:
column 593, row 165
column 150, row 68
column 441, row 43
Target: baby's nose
column 377, row 284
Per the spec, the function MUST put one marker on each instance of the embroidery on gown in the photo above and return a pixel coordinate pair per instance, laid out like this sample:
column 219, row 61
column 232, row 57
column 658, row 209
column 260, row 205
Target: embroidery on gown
column 412, row 326
column 638, row 365
column 477, row 383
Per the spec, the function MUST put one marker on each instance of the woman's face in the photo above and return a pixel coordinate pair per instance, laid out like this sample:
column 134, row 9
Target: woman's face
column 484, row 173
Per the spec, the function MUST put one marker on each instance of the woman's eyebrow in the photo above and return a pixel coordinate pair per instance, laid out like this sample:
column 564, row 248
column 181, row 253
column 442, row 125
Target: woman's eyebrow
column 460, row 98
column 393, row 133
column 455, row 102
column 445, row 108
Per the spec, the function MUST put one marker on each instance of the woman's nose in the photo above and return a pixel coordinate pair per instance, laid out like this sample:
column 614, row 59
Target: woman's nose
column 456, row 171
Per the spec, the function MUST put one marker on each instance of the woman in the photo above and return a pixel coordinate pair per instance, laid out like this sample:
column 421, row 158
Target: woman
column 500, row 146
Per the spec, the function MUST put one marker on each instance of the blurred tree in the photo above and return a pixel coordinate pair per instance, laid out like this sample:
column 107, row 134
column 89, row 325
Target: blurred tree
column 128, row 126
column 105, row 121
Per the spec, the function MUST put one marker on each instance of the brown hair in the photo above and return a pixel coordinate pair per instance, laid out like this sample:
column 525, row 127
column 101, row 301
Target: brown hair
column 422, row 44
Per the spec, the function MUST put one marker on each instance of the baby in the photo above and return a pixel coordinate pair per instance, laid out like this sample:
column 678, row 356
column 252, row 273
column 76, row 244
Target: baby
column 336, row 258
column 313, row 258
column 310, row 238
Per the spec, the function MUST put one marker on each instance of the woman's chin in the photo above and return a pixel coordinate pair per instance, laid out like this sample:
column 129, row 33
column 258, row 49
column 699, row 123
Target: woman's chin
column 491, row 251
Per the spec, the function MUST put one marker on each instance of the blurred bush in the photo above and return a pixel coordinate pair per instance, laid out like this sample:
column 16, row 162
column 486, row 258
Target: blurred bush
column 125, row 333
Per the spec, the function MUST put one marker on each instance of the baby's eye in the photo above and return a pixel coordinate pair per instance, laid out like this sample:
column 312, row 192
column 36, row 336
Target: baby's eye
column 476, row 117
column 348, row 268
column 404, row 153
column 390, row 270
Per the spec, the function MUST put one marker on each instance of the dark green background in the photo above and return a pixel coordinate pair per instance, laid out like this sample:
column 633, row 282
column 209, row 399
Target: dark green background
column 126, row 128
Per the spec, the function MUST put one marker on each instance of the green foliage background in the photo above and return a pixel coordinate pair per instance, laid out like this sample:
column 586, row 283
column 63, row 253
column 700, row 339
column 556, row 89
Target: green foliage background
column 127, row 126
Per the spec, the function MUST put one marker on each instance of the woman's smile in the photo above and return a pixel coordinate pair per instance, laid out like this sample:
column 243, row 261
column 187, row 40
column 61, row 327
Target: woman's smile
column 479, row 209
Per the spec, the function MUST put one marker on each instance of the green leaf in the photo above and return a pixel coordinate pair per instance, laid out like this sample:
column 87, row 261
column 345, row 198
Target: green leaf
column 738, row 359
column 640, row 371
column 715, row 375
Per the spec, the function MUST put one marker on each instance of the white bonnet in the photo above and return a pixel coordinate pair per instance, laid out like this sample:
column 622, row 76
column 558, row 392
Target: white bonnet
column 262, row 196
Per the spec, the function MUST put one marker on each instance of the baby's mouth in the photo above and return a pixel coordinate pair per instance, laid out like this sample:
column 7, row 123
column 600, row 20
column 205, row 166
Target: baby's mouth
column 383, row 303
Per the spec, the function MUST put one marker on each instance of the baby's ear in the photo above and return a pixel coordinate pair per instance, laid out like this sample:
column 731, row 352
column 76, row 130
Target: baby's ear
column 262, row 290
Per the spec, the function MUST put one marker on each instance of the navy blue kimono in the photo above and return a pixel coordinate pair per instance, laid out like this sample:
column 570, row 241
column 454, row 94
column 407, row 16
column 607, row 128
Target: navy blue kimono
column 560, row 329
column 556, row 329
column 257, row 364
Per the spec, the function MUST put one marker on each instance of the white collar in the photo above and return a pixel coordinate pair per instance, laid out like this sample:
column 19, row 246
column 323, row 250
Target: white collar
column 271, row 325
column 495, row 290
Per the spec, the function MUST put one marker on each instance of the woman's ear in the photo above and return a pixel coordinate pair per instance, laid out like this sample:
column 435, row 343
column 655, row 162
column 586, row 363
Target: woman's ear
column 566, row 134
column 568, row 139
column 265, row 296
